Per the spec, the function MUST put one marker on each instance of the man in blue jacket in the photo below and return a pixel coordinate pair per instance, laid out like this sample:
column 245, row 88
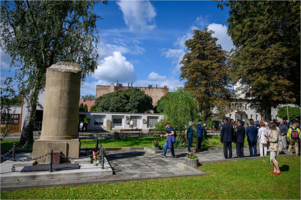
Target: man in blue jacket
column 226, row 138
column 252, row 134
column 240, row 138
column 170, row 135
column 200, row 133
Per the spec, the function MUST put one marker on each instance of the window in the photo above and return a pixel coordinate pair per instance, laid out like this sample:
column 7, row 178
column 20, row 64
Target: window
column 256, row 117
column 272, row 117
column 98, row 121
column 251, row 116
column 117, row 122
column 151, row 121
column 10, row 119
column 230, row 116
column 246, row 106
column 276, row 117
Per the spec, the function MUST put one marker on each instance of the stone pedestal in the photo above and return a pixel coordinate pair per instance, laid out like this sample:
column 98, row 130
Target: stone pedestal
column 60, row 115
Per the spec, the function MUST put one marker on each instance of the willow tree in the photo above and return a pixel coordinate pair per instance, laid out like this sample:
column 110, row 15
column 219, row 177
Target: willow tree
column 179, row 108
column 266, row 60
column 206, row 72
column 37, row 34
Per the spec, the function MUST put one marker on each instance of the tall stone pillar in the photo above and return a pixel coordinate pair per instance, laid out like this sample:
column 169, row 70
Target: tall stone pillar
column 60, row 115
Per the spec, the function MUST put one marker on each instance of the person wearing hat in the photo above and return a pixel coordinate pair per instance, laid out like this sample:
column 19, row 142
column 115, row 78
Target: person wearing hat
column 189, row 134
column 200, row 133
column 170, row 135
column 226, row 138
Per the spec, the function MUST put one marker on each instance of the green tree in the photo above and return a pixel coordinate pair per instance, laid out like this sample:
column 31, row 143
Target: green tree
column 93, row 108
column 37, row 34
column 266, row 59
column 81, row 107
column 132, row 100
column 181, row 108
column 86, row 108
column 163, row 101
column 293, row 112
column 206, row 72
column 89, row 97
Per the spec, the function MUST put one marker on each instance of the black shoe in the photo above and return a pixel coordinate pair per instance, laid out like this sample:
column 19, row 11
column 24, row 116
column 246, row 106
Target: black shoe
column 172, row 156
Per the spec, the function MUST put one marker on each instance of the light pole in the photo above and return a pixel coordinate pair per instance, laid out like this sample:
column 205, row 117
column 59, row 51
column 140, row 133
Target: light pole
column 288, row 117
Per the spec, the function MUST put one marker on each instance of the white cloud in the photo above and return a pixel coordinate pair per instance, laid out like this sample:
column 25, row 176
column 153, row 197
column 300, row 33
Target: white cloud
column 176, row 55
column 105, row 50
column 138, row 15
column 115, row 67
column 202, row 22
column 156, row 76
column 221, row 34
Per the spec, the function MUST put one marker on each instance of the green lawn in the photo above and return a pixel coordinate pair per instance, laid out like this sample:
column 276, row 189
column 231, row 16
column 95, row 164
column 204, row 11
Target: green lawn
column 245, row 179
column 212, row 141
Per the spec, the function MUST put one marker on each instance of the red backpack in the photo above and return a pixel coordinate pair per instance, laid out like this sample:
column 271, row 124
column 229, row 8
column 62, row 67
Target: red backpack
column 294, row 133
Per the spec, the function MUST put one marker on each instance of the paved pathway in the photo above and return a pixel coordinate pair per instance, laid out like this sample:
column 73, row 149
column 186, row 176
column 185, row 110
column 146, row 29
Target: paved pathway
column 134, row 165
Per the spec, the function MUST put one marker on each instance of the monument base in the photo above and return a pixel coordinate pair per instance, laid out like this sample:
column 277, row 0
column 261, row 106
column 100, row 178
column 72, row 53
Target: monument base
column 69, row 148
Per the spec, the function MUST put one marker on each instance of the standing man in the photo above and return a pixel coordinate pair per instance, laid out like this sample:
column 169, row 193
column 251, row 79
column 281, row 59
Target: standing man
column 240, row 138
column 283, row 130
column 252, row 133
column 170, row 135
column 200, row 133
column 188, row 135
column 226, row 138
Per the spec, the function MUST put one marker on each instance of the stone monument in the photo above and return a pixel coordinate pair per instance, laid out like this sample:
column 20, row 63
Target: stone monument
column 60, row 116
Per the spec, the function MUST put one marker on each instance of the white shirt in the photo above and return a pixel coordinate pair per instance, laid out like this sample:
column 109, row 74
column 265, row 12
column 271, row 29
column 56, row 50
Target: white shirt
column 262, row 132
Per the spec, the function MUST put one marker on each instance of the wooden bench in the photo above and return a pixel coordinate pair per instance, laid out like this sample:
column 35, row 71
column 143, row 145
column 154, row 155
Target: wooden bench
column 131, row 131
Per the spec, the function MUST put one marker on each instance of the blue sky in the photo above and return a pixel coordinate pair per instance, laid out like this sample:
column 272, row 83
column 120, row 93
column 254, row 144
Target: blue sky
column 142, row 42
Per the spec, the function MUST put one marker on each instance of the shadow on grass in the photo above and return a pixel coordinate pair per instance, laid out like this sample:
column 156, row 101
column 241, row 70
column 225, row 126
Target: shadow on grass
column 284, row 168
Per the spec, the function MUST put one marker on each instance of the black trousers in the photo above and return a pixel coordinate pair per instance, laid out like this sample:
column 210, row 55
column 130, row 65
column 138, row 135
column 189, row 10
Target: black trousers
column 240, row 149
column 227, row 146
column 200, row 139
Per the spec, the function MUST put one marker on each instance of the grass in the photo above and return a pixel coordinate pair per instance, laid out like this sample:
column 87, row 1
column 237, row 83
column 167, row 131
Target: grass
column 212, row 141
column 244, row 179
column 8, row 144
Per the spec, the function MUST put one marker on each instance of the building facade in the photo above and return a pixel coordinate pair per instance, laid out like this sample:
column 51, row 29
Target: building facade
column 155, row 92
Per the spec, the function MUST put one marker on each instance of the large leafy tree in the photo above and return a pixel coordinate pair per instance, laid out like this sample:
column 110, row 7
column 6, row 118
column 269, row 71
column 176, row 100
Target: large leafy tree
column 89, row 97
column 132, row 100
column 37, row 34
column 293, row 112
column 266, row 59
column 206, row 72
column 179, row 108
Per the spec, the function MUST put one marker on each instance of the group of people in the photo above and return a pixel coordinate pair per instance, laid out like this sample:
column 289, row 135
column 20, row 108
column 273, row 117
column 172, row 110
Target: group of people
column 171, row 135
column 271, row 137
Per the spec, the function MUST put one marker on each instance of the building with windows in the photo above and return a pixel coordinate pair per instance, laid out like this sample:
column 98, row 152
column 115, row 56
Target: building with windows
column 155, row 92
column 101, row 121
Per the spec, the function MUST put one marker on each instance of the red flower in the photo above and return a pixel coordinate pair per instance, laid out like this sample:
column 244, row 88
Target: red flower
column 194, row 152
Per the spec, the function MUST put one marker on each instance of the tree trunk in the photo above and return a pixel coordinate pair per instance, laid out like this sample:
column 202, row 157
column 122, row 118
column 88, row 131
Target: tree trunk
column 28, row 125
column 265, row 110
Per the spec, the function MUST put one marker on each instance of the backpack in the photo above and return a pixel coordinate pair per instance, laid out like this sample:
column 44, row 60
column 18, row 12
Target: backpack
column 175, row 133
column 294, row 133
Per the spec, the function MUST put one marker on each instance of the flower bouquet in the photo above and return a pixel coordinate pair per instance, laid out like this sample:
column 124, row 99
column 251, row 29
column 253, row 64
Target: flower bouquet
column 95, row 158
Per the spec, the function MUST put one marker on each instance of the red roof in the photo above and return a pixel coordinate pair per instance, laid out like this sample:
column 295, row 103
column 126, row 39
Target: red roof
column 88, row 102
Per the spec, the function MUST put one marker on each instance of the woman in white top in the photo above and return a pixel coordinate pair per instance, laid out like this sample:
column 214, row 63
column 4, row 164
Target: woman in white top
column 262, row 134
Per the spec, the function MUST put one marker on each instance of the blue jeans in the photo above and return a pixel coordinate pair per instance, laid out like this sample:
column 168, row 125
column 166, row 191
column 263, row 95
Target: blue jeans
column 189, row 144
column 253, row 147
column 171, row 150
